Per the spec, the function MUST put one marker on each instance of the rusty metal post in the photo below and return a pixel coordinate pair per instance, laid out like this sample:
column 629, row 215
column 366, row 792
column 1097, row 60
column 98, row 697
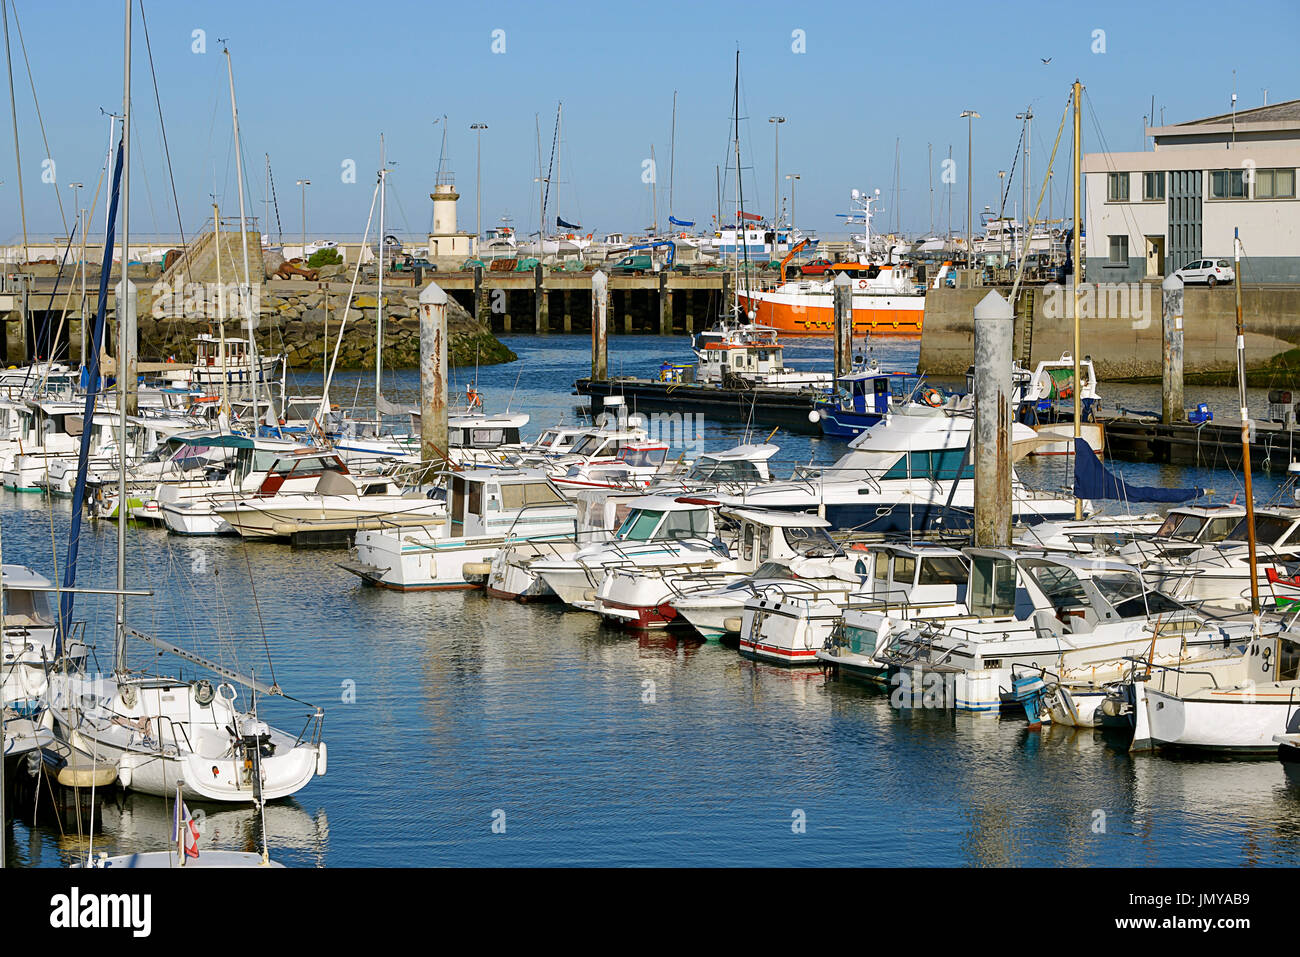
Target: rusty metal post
column 1171, row 302
column 842, row 289
column 994, row 324
column 480, row 299
column 433, row 373
column 599, row 326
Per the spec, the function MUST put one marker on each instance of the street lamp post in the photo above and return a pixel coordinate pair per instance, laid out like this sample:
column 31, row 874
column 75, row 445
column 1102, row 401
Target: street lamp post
column 478, row 185
column 970, row 116
column 776, row 122
column 304, row 183
column 1002, row 226
column 792, row 177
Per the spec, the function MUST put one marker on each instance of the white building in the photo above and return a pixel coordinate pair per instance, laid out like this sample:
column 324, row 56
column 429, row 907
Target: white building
column 1153, row 212
column 446, row 240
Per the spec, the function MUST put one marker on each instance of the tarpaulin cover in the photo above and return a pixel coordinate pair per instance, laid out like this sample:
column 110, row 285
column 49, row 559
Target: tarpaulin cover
column 1094, row 481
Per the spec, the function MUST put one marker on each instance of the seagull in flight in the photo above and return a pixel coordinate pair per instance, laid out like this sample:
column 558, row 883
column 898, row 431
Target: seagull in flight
column 1046, row 59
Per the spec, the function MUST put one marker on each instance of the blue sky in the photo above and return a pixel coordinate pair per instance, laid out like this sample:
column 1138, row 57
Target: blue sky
column 317, row 83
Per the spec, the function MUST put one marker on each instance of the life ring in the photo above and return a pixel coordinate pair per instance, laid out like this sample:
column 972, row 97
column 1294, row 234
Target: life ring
column 932, row 398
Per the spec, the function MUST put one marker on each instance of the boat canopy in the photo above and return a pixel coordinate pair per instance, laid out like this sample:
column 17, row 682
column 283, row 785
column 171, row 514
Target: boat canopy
column 216, row 440
column 777, row 519
column 1092, row 480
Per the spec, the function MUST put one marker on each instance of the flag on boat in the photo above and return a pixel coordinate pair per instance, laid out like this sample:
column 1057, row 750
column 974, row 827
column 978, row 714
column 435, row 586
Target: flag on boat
column 680, row 222
column 752, row 216
column 561, row 224
column 1094, row 481
column 185, row 830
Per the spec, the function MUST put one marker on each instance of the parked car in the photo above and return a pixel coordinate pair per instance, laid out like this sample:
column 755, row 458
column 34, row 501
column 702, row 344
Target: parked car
column 409, row 263
column 1208, row 271
column 815, row 267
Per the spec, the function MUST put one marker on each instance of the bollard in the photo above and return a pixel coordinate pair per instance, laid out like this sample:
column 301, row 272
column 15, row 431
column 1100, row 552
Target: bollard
column 433, row 373
column 994, row 325
column 599, row 326
column 1171, row 302
column 842, row 289
column 127, row 359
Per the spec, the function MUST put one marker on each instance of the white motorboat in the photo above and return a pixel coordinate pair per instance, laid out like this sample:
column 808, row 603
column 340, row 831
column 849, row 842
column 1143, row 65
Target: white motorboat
column 486, row 510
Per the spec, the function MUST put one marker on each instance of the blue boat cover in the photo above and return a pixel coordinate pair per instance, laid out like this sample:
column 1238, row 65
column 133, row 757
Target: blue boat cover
column 680, row 222
column 563, row 225
column 1093, row 480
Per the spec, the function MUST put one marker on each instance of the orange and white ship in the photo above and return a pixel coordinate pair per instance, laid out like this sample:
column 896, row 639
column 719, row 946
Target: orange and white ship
column 887, row 299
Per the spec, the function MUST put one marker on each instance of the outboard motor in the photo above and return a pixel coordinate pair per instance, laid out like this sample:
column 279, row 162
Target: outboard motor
column 1030, row 690
column 253, row 743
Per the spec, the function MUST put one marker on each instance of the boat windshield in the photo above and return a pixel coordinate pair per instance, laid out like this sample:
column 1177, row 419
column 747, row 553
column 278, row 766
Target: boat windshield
column 812, row 542
column 1180, row 525
column 26, row 608
column 644, row 458
column 713, row 470
column 943, row 570
column 768, row 571
column 590, row 445
column 639, row 525
column 1269, row 529
column 1060, row 585
column 1130, row 598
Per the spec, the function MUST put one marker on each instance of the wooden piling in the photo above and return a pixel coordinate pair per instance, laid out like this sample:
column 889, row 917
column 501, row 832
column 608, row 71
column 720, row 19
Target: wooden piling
column 433, row 373
column 599, row 327
column 991, row 442
column 1171, row 303
column 842, row 289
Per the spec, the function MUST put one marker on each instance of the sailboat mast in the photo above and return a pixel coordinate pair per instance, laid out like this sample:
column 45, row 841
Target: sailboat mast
column 221, row 309
column 1074, row 276
column 541, row 191
column 559, row 115
column 119, row 643
column 379, row 311
column 741, row 226
column 654, row 196
column 247, row 292
column 672, row 154
column 1245, row 426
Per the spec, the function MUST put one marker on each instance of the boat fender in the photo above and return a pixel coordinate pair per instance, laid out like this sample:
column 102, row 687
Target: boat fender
column 814, row 416
column 471, row 570
column 589, row 595
column 124, row 775
column 322, row 758
column 733, row 624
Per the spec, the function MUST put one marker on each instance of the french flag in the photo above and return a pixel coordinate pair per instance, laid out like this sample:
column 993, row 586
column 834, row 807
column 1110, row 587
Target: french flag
column 185, row 832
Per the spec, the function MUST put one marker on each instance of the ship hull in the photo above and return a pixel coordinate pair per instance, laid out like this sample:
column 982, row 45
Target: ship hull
column 812, row 314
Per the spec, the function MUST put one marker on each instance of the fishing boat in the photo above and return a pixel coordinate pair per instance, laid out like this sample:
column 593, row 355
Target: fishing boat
column 863, row 398
column 744, row 355
column 486, row 510
column 1040, row 405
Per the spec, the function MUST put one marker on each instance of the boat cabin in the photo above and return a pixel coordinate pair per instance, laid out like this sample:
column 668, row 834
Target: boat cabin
column 779, row 537
column 484, row 431
column 741, row 465
column 26, row 607
column 661, row 517
column 505, row 502
column 908, row 578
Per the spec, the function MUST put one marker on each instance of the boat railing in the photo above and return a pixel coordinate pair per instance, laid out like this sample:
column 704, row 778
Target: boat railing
column 1139, row 662
column 918, row 644
column 166, row 721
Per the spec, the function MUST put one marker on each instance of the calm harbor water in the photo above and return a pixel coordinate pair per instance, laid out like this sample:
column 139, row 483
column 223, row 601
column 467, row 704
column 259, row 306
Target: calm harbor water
column 447, row 712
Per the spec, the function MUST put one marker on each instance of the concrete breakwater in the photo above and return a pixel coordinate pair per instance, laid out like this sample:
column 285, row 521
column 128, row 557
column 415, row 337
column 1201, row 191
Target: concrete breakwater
column 1120, row 328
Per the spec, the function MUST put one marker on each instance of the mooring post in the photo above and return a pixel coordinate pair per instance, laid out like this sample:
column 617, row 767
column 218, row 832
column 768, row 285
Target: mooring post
column 568, row 310
column 843, row 303
column 127, row 364
column 1171, row 301
column 728, row 303
column 994, row 326
column 665, row 305
column 541, row 308
column 480, row 298
column 433, row 373
column 599, row 327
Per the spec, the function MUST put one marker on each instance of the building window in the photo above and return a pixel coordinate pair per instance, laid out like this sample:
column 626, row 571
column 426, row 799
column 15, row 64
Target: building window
column 1228, row 184
column 1153, row 187
column 1118, row 251
column 1275, row 184
column 1117, row 188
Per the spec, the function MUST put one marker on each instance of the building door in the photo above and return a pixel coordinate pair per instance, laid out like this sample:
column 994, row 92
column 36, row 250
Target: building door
column 1185, row 193
column 1155, row 256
